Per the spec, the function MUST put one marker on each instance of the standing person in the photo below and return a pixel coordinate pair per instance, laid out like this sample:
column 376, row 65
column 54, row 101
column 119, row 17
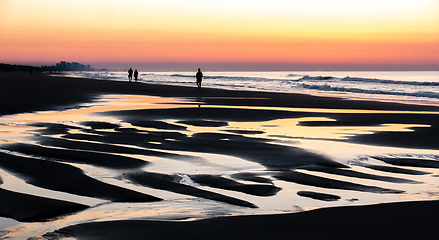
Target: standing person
column 130, row 74
column 199, row 77
column 136, row 74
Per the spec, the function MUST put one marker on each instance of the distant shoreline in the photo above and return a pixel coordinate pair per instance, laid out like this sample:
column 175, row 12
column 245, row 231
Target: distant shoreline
column 418, row 88
column 30, row 93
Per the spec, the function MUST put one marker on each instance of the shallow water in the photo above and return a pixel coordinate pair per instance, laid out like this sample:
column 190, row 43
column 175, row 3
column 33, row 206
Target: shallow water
column 328, row 142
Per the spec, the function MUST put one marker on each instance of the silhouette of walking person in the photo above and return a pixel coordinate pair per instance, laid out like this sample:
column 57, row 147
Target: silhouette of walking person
column 199, row 77
column 136, row 74
column 130, row 74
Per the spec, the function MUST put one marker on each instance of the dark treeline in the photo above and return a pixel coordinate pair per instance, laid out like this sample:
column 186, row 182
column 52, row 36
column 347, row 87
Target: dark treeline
column 11, row 67
column 59, row 67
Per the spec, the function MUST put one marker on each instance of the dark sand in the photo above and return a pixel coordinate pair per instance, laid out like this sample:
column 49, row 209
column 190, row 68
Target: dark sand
column 273, row 156
column 21, row 92
column 66, row 178
column 311, row 180
column 29, row 208
column 44, row 92
column 394, row 169
column 64, row 143
column 407, row 220
column 251, row 177
column 352, row 173
column 411, row 162
column 171, row 183
column 228, row 184
column 92, row 158
column 318, row 196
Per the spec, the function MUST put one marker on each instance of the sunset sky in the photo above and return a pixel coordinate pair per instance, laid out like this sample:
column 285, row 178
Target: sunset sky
column 286, row 33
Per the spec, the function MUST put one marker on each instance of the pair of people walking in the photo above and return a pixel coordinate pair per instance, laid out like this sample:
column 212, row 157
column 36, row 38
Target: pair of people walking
column 130, row 74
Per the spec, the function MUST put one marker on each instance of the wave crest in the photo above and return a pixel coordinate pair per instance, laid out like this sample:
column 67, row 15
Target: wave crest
column 368, row 80
column 327, row 87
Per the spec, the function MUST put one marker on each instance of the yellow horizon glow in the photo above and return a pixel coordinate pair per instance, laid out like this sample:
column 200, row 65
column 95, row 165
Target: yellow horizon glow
column 313, row 31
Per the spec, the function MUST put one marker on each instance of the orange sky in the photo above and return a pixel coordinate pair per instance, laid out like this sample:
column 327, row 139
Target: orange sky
column 277, row 31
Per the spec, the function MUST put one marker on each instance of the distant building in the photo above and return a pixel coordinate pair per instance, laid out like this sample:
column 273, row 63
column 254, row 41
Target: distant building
column 78, row 67
column 67, row 66
column 63, row 65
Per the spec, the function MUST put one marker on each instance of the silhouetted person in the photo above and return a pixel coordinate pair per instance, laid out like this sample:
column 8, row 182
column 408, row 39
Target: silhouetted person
column 199, row 77
column 130, row 74
column 136, row 74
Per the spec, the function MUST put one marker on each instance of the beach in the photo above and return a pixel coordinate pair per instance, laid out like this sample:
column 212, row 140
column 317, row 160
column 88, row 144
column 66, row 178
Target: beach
column 98, row 159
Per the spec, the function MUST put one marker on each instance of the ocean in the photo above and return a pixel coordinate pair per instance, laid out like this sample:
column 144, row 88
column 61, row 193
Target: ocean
column 412, row 86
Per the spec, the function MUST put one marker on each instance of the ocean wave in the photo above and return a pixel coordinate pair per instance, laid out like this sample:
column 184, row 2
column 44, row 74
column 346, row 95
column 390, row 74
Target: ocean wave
column 181, row 75
column 293, row 75
column 169, row 82
column 329, row 88
column 368, row 80
column 231, row 86
column 231, row 78
column 244, row 79
column 390, row 81
column 103, row 76
column 318, row 78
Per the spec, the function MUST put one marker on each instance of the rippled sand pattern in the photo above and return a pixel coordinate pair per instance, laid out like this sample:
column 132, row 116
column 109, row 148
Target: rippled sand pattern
column 142, row 157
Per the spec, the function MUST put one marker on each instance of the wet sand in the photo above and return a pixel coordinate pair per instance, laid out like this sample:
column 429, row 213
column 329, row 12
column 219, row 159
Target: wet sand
column 409, row 220
column 22, row 92
column 53, row 159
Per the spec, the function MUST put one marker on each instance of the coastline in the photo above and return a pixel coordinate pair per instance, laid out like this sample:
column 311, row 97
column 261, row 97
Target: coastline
column 51, row 92
column 28, row 93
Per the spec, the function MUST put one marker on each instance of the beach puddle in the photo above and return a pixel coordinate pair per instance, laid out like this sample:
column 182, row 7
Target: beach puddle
column 194, row 154
column 309, row 110
column 291, row 128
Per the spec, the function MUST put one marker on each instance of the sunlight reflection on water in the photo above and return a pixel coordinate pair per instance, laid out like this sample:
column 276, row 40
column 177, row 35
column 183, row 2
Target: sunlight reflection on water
column 286, row 132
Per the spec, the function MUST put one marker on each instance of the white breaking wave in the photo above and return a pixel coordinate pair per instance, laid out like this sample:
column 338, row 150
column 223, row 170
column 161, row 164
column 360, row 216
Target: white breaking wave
column 369, row 80
column 327, row 87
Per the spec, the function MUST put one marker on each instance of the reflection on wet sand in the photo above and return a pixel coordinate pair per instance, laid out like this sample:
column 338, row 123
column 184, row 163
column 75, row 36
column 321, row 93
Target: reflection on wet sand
column 199, row 162
column 291, row 128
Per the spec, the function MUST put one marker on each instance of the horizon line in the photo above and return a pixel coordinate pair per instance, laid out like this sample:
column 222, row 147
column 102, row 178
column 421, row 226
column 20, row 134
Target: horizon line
column 247, row 66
